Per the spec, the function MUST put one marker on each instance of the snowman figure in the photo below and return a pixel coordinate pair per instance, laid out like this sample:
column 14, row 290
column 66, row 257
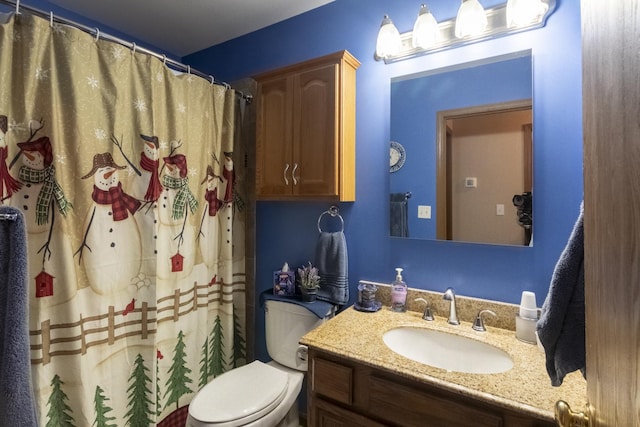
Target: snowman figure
column 209, row 237
column 176, row 235
column 8, row 185
column 49, row 245
column 226, row 213
column 148, row 189
column 111, row 250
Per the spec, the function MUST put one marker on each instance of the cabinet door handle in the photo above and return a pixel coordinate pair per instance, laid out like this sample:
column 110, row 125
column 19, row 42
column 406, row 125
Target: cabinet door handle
column 284, row 174
column 293, row 174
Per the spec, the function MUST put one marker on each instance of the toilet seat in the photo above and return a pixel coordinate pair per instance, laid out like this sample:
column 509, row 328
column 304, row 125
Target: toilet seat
column 240, row 396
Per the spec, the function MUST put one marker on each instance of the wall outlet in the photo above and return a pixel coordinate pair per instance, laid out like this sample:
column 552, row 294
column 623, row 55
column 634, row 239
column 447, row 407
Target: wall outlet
column 424, row 212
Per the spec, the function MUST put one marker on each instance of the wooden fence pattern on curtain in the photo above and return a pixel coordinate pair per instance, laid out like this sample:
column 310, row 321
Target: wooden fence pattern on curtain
column 54, row 340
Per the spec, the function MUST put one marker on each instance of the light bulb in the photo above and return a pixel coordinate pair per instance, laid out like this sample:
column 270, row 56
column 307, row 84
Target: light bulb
column 425, row 31
column 388, row 42
column 523, row 12
column 471, row 20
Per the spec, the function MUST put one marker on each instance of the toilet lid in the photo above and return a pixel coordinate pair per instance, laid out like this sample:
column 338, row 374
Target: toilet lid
column 241, row 395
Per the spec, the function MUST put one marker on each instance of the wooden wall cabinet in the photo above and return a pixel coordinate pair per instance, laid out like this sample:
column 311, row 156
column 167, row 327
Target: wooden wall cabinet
column 305, row 144
column 343, row 392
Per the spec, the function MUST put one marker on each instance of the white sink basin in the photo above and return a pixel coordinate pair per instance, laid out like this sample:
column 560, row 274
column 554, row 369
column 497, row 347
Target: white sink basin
column 447, row 351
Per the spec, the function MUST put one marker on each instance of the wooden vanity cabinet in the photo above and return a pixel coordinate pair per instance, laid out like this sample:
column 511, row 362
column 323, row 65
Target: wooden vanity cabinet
column 342, row 392
column 305, row 143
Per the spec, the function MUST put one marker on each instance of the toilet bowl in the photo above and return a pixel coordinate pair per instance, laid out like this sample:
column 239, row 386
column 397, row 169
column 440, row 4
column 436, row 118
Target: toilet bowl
column 262, row 394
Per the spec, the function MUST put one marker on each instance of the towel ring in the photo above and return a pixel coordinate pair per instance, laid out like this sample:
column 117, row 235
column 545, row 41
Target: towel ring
column 334, row 212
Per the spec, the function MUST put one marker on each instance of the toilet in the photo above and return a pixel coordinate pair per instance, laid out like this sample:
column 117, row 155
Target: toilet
column 262, row 394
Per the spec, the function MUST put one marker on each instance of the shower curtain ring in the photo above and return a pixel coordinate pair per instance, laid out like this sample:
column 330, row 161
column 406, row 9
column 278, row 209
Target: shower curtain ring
column 97, row 33
column 18, row 7
column 164, row 59
column 212, row 79
column 51, row 19
column 134, row 47
column 188, row 69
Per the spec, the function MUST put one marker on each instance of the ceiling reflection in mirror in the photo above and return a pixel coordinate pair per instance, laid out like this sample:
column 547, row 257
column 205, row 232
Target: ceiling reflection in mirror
column 466, row 170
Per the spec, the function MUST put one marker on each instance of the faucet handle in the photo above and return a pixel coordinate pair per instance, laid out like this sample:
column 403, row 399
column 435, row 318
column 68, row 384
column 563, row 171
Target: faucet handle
column 427, row 315
column 478, row 324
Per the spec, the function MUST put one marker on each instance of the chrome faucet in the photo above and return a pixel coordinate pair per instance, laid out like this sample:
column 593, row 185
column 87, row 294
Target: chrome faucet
column 450, row 295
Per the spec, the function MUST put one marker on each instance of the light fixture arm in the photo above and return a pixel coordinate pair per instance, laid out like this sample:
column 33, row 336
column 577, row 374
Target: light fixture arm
column 496, row 27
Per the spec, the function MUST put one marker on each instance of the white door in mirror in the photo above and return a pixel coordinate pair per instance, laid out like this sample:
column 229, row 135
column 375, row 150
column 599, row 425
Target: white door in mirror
column 397, row 156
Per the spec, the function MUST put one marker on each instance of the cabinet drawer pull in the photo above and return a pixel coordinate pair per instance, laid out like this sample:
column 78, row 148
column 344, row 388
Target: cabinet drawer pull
column 293, row 174
column 284, row 174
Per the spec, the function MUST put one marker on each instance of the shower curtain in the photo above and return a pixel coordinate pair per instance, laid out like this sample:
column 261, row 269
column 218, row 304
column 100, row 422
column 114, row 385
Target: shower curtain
column 125, row 173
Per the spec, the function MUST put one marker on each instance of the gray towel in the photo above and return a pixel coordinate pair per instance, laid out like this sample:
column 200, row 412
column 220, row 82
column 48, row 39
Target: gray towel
column 17, row 404
column 332, row 262
column 561, row 327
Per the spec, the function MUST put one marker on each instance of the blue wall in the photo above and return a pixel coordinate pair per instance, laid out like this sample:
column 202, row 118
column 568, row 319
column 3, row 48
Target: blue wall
column 286, row 231
column 415, row 103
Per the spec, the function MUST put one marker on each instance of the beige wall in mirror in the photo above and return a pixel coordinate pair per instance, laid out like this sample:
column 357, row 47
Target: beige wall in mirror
column 486, row 158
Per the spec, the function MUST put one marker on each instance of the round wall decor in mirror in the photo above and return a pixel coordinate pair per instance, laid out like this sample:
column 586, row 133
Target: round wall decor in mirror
column 397, row 156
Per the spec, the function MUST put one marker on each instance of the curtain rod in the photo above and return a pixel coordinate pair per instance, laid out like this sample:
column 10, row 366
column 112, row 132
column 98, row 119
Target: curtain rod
column 96, row 31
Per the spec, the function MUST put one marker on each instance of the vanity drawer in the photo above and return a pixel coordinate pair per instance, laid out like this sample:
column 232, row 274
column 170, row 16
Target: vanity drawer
column 332, row 380
column 413, row 407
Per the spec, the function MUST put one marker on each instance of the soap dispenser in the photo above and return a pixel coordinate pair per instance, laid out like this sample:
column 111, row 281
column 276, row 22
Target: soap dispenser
column 398, row 293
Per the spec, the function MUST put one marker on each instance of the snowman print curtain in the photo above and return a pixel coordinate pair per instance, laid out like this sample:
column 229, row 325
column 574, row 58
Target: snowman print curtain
column 125, row 174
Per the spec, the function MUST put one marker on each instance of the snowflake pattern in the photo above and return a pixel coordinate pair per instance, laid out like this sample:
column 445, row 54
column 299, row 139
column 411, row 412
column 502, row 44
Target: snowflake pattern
column 159, row 77
column 61, row 159
column 59, row 29
column 182, row 108
column 117, row 52
column 100, row 134
column 164, row 145
column 17, row 127
column 42, row 74
column 193, row 172
column 93, row 82
column 140, row 105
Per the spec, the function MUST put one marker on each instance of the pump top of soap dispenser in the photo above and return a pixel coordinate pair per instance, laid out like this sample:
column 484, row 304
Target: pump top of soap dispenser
column 399, row 274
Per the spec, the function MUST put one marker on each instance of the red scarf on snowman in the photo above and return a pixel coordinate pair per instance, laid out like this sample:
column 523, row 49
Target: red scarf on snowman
column 6, row 180
column 121, row 203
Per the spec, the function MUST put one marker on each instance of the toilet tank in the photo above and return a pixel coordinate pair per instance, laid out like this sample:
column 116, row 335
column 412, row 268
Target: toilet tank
column 285, row 324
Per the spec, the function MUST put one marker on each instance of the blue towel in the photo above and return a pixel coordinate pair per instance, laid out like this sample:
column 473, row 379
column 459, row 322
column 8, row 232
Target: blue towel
column 17, row 403
column 399, row 215
column 319, row 308
column 561, row 327
column 332, row 263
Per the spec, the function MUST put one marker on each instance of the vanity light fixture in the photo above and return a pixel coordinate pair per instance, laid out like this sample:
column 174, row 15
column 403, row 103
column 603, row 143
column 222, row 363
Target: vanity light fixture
column 471, row 20
column 388, row 43
column 426, row 32
column 507, row 18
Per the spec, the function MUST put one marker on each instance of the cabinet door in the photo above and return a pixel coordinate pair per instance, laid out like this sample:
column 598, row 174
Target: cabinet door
column 315, row 132
column 273, row 143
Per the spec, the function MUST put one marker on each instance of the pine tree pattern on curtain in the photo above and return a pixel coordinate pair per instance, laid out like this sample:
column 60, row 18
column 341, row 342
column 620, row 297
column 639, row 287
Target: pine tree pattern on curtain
column 125, row 173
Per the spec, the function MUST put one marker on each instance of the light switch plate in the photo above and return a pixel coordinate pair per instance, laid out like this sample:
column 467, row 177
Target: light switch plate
column 499, row 209
column 424, row 211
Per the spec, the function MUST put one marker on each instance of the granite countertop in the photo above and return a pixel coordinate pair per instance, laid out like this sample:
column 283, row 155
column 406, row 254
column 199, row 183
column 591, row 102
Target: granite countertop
column 525, row 388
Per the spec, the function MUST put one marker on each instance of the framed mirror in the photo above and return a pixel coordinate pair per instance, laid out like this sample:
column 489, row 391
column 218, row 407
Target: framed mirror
column 467, row 140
